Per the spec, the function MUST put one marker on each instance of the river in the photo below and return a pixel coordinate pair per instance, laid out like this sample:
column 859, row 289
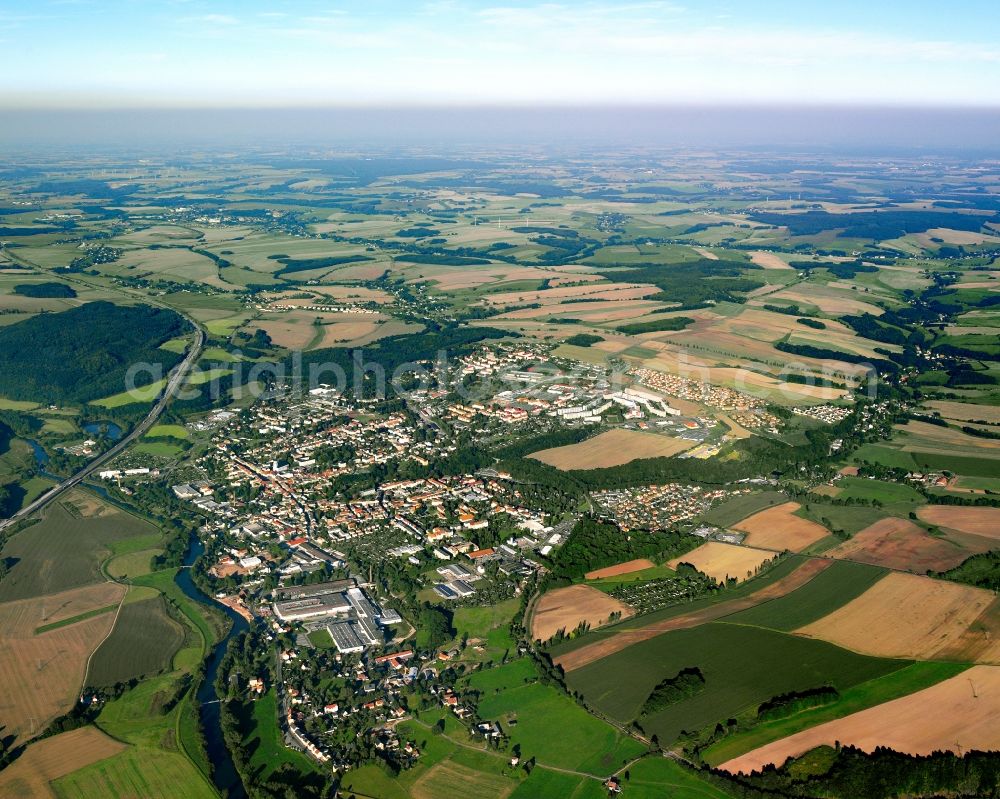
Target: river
column 224, row 772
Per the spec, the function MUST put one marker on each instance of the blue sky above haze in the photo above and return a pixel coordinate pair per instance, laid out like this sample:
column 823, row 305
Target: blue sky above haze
column 87, row 53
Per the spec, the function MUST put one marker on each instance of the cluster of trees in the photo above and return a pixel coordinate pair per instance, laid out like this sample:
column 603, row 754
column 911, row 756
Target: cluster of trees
column 593, row 545
column 778, row 707
column 876, row 225
column 84, row 353
column 657, row 325
column 980, row 570
column 693, row 284
column 583, row 339
column 882, row 774
column 687, row 682
column 45, row 290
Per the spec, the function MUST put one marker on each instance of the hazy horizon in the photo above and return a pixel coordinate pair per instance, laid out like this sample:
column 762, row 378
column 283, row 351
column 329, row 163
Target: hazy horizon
column 834, row 128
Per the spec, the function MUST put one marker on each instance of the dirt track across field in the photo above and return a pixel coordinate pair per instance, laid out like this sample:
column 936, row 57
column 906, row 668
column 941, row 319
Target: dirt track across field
column 625, row 638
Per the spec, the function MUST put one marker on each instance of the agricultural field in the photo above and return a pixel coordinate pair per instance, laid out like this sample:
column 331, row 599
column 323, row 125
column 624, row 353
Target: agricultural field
column 903, row 615
column 566, row 608
column 143, row 642
column 776, row 582
column 66, row 548
column 982, row 522
column 620, row 569
column 612, row 448
column 32, row 774
column 901, row 544
column 45, row 669
column 957, row 714
column 831, row 588
column 770, row 663
column 778, row 528
column 723, row 562
column 584, row 743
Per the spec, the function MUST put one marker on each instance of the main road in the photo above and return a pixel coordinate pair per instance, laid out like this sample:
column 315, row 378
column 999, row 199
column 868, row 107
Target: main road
column 174, row 380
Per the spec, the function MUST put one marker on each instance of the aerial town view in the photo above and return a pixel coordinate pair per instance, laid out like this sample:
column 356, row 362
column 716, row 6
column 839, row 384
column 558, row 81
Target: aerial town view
column 456, row 401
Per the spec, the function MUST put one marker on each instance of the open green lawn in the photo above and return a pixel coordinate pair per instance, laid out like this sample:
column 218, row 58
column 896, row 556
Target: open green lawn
column 263, row 740
column 886, row 493
column 552, row 728
column 656, row 777
column 132, row 564
column 908, row 680
column 743, row 666
column 172, row 430
column 160, row 449
column 824, row 593
column 149, row 773
column 144, row 394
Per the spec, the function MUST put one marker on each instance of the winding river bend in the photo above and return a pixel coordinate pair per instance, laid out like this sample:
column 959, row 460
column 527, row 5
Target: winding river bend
column 224, row 772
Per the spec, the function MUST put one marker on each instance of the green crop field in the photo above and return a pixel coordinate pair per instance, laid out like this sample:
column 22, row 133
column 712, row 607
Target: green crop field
column 731, row 511
column 908, row 680
column 583, row 742
column 886, row 493
column 143, row 641
column 656, row 777
column 154, row 765
column 74, row 619
column 824, row 593
column 63, row 551
column 132, row 564
column 151, row 774
column 743, row 666
column 850, row 519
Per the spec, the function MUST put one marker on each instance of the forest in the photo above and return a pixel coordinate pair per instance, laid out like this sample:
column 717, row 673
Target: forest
column 84, row 353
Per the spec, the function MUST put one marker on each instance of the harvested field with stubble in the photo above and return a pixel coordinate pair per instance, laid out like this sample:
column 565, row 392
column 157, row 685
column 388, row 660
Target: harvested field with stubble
column 620, row 568
column 900, row 544
column 42, row 673
column 721, row 561
column 984, row 522
column 449, row 780
column 958, row 714
column 29, row 776
column 769, row 260
column 578, row 658
column 611, row 448
column 907, row 616
column 565, row 608
column 780, row 529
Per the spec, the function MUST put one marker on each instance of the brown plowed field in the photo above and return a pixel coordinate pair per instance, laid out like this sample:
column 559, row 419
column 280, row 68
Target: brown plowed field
column 907, row 616
column 779, row 528
column 565, row 608
column 41, row 674
column 958, row 714
column 900, row 544
column 978, row 521
column 721, row 561
column 29, row 776
column 620, row 568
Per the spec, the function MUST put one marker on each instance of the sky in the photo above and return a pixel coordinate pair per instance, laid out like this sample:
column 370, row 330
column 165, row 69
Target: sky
column 91, row 54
